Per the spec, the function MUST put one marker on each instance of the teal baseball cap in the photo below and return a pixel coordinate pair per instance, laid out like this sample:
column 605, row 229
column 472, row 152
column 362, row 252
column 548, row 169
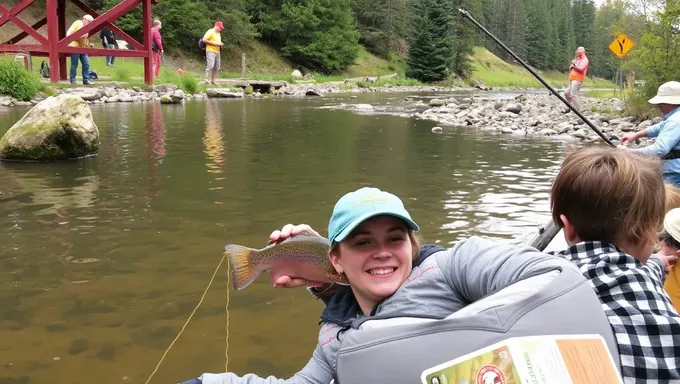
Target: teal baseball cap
column 356, row 207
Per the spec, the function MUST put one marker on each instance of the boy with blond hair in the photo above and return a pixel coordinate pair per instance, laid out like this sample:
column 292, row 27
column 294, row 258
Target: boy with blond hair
column 611, row 205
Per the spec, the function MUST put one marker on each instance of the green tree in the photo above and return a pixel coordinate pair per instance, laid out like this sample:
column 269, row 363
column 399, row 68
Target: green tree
column 539, row 47
column 464, row 35
column 431, row 50
column 317, row 34
column 383, row 24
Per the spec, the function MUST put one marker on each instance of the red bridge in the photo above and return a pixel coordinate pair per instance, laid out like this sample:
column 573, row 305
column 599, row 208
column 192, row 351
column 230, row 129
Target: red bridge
column 56, row 45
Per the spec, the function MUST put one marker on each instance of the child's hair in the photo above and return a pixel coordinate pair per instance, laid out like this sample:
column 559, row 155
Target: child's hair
column 672, row 196
column 666, row 237
column 610, row 194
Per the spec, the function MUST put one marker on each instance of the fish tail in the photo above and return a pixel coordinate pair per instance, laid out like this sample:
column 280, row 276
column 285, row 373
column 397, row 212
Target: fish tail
column 243, row 270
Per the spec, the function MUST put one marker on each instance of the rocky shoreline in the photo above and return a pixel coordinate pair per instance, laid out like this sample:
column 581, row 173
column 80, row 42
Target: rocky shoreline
column 535, row 115
column 168, row 93
column 526, row 115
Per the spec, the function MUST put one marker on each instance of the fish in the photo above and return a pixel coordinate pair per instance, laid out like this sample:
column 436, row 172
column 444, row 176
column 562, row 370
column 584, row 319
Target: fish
column 303, row 256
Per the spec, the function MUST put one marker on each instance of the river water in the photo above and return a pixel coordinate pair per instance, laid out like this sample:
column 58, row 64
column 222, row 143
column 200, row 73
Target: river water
column 103, row 260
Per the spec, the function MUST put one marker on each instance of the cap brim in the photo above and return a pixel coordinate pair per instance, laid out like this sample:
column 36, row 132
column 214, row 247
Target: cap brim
column 673, row 100
column 352, row 226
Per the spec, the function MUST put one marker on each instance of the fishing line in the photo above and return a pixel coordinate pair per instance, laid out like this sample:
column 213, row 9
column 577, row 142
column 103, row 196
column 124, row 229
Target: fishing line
column 212, row 279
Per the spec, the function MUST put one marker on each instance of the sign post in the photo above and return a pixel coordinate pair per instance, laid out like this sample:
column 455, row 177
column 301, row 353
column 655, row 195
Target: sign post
column 620, row 47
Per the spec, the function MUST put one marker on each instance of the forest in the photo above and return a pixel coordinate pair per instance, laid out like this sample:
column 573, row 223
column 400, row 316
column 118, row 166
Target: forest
column 430, row 35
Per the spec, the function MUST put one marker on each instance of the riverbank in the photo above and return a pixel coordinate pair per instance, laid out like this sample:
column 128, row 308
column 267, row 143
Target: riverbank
column 529, row 114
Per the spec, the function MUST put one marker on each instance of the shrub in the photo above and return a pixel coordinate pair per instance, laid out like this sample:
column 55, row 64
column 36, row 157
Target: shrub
column 17, row 82
column 122, row 75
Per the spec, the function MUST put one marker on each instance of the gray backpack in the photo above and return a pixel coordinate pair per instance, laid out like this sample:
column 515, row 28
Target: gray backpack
column 398, row 350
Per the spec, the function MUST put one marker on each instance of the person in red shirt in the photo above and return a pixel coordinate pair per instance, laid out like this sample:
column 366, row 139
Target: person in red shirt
column 577, row 74
column 157, row 47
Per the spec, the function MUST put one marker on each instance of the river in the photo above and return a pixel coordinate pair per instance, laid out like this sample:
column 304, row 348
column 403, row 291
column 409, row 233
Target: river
column 103, row 260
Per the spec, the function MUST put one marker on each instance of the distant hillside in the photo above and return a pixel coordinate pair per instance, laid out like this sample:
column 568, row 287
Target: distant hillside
column 263, row 60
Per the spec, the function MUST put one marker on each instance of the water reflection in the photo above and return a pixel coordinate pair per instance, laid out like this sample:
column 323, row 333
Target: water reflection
column 213, row 138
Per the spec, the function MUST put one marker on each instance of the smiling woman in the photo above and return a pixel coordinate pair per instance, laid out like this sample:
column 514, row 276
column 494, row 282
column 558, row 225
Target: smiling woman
column 372, row 243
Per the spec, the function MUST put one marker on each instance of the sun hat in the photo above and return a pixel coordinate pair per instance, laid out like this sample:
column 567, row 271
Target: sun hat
column 88, row 17
column 356, row 207
column 668, row 93
column 671, row 223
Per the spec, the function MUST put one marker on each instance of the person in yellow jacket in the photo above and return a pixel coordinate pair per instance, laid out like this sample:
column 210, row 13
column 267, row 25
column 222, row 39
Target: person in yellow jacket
column 81, row 42
column 213, row 44
column 670, row 245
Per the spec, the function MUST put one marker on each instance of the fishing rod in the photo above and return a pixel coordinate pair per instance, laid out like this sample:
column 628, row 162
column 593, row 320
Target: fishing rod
column 548, row 231
column 593, row 127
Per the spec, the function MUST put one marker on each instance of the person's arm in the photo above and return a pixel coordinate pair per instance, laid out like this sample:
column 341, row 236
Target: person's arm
column 317, row 371
column 477, row 267
column 652, row 131
column 666, row 139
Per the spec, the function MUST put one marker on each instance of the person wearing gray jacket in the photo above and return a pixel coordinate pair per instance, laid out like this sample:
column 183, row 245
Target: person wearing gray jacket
column 372, row 243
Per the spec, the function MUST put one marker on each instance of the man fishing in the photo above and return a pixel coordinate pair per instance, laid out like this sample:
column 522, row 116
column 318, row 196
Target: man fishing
column 577, row 75
column 667, row 132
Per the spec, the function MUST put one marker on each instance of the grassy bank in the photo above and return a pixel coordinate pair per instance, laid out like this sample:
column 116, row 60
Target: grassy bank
column 493, row 71
column 263, row 63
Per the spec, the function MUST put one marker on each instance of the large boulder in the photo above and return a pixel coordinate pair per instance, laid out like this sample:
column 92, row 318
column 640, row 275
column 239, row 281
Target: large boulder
column 58, row 128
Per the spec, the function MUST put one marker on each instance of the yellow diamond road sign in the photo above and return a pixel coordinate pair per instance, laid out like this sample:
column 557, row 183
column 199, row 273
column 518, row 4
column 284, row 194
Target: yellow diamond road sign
column 621, row 45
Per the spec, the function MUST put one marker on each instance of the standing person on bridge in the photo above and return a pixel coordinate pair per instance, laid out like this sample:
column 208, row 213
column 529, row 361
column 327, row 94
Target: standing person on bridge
column 213, row 44
column 156, row 47
column 577, row 75
column 667, row 132
column 82, row 42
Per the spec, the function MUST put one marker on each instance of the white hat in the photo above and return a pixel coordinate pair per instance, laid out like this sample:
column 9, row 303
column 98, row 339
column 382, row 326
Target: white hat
column 88, row 17
column 671, row 223
column 668, row 93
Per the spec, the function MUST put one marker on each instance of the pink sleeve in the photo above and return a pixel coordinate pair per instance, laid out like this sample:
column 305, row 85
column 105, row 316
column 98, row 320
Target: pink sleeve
column 156, row 36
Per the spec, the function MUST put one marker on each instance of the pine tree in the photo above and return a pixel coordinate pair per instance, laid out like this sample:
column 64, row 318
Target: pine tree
column 538, row 34
column 431, row 52
column 317, row 34
column 464, row 36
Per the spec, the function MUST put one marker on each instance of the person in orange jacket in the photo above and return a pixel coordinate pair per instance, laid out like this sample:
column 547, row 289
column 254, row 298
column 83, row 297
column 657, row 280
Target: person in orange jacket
column 577, row 74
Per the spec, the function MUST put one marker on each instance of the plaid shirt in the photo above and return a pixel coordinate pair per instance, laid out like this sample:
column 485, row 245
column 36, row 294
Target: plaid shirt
column 646, row 326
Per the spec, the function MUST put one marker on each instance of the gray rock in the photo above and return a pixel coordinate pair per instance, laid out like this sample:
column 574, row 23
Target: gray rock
column 177, row 96
column 547, row 132
column 564, row 127
column 437, row 103
column 580, row 134
column 58, row 128
column 222, row 92
column 514, row 108
column 163, row 88
column 296, row 74
column 644, row 125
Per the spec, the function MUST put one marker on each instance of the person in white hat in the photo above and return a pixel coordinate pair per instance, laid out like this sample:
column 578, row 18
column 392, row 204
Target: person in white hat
column 670, row 245
column 667, row 132
column 82, row 42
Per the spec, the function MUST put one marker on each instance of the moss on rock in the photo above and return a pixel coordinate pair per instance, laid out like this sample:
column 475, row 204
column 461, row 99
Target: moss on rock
column 58, row 128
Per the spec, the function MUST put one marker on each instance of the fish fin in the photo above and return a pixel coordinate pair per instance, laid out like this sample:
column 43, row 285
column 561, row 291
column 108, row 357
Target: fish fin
column 243, row 271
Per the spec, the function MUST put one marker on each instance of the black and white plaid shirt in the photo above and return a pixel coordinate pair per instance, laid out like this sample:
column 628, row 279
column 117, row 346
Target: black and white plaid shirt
column 645, row 323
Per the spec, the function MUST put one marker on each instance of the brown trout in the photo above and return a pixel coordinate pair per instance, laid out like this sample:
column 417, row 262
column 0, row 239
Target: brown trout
column 303, row 256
